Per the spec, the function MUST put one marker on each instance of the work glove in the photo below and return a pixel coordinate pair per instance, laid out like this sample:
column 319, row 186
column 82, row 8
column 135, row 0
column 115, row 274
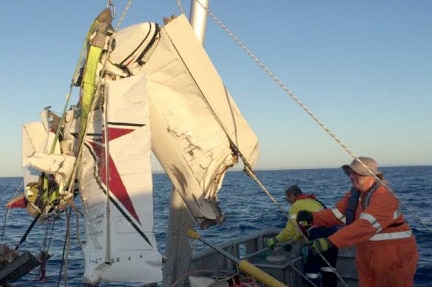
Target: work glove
column 319, row 245
column 271, row 242
column 304, row 218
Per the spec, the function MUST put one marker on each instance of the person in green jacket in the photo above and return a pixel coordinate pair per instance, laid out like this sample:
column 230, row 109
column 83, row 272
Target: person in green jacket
column 314, row 265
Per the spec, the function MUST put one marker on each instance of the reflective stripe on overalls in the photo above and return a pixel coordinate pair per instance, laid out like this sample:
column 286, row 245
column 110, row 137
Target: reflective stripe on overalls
column 350, row 214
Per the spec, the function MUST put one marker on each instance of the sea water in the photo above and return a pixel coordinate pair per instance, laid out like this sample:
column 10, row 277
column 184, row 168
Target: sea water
column 248, row 209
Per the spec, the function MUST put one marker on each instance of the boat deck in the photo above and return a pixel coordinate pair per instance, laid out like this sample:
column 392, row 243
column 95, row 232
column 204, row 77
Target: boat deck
column 284, row 266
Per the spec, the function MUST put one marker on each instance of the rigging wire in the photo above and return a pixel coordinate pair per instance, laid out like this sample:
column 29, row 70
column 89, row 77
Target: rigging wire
column 248, row 169
column 98, row 85
column 66, row 248
column 306, row 109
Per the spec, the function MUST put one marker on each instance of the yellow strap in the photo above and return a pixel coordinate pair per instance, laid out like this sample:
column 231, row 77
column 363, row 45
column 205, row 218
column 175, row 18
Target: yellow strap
column 88, row 88
column 100, row 26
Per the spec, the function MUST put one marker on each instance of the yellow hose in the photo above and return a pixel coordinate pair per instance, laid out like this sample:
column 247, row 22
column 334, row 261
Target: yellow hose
column 244, row 265
column 258, row 274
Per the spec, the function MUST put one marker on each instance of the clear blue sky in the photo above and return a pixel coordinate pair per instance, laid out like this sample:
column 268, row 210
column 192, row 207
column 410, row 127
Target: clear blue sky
column 364, row 68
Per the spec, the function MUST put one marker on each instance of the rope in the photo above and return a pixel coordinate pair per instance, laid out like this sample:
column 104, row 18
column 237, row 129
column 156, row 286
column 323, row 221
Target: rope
column 305, row 108
column 180, row 6
column 66, row 248
column 320, row 255
column 279, row 82
column 123, row 15
column 248, row 168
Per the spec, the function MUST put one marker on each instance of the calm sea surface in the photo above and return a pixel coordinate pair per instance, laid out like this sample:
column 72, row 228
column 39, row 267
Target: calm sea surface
column 248, row 210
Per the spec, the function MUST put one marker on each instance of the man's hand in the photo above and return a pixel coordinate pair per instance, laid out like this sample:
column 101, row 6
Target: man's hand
column 319, row 245
column 271, row 242
column 304, row 218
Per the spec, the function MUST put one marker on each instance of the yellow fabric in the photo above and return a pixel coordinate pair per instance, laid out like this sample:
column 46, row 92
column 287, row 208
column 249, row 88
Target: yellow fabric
column 95, row 49
column 291, row 231
column 88, row 88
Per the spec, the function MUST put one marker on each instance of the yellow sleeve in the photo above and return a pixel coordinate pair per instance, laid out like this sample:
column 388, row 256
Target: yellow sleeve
column 290, row 231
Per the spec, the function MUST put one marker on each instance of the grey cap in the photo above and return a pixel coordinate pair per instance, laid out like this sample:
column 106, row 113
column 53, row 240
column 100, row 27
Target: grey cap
column 357, row 166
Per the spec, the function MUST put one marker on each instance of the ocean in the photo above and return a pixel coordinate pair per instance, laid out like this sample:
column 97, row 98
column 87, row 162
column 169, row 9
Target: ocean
column 248, row 209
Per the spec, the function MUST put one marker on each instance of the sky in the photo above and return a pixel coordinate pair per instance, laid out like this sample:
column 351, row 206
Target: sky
column 363, row 68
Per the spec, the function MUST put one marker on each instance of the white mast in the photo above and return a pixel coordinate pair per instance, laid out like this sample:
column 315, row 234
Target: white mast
column 198, row 18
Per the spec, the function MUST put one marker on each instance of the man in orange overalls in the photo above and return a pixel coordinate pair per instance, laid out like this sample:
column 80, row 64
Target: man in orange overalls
column 387, row 253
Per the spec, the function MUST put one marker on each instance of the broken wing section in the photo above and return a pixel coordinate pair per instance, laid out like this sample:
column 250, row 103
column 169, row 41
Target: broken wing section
column 43, row 158
column 197, row 129
column 116, row 186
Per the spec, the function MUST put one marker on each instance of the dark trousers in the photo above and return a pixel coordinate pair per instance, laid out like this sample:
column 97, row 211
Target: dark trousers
column 318, row 271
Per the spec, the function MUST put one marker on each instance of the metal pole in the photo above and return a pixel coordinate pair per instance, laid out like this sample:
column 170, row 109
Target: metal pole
column 198, row 18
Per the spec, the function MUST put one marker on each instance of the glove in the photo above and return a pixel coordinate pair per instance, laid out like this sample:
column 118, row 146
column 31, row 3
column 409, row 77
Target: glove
column 304, row 218
column 271, row 242
column 319, row 245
